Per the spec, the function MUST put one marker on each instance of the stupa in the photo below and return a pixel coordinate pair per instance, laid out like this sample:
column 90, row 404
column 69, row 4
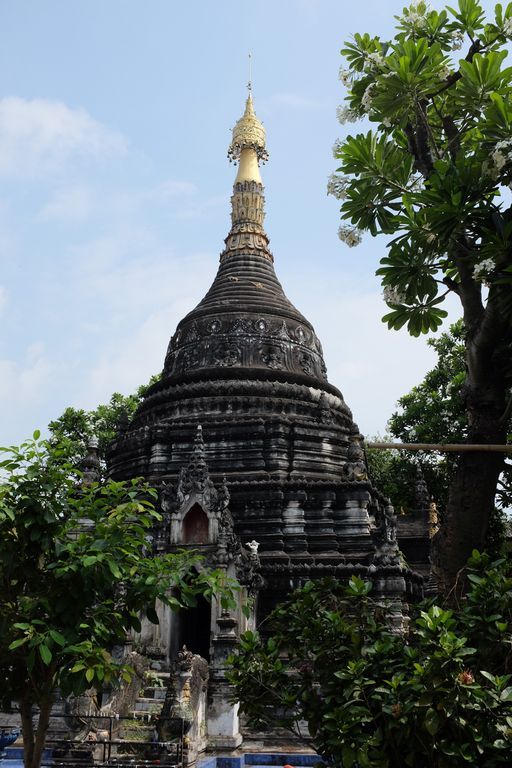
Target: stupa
column 257, row 457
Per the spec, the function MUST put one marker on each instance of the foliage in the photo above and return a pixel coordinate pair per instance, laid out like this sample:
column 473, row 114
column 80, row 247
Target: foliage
column 432, row 412
column 76, row 568
column 433, row 174
column 77, row 426
column 438, row 697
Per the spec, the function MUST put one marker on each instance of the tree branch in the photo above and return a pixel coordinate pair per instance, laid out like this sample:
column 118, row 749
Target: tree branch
column 451, row 284
column 452, row 134
column 476, row 47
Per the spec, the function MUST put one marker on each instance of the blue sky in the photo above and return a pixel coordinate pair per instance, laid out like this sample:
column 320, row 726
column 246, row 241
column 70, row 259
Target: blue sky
column 115, row 119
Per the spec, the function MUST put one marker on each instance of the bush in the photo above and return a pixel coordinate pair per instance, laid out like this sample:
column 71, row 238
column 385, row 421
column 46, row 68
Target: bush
column 438, row 696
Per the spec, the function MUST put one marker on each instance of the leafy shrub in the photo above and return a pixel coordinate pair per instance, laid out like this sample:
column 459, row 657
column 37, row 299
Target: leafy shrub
column 437, row 696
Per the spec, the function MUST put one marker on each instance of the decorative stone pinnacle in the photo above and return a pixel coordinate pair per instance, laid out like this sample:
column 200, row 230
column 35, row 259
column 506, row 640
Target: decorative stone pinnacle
column 91, row 465
column 197, row 463
column 198, row 441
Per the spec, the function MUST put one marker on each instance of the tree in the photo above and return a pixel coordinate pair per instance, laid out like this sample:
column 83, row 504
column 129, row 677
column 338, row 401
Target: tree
column 76, row 569
column 438, row 696
column 433, row 174
column 77, row 426
column 432, row 412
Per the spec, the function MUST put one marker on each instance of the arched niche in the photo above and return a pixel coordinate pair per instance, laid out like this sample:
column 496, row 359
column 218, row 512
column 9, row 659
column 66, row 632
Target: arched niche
column 195, row 526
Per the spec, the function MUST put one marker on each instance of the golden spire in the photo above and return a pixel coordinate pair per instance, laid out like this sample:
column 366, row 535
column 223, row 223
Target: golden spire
column 248, row 142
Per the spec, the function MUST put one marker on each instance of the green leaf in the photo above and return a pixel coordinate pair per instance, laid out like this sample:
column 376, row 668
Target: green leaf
column 57, row 637
column 114, row 569
column 89, row 675
column 17, row 643
column 432, row 721
column 45, row 653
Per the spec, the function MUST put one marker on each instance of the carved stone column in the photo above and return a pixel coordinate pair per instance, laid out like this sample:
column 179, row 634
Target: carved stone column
column 223, row 721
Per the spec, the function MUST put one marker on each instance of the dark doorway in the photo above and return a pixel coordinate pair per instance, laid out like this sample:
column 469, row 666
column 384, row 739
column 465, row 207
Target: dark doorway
column 194, row 628
column 195, row 526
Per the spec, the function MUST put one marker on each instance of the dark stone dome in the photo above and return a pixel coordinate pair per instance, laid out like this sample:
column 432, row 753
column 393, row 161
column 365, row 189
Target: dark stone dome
column 245, row 321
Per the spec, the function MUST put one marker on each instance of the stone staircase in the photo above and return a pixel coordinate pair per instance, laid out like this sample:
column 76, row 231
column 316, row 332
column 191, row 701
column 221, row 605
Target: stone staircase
column 147, row 705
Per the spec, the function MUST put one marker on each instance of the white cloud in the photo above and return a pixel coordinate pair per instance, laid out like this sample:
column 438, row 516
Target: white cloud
column 149, row 292
column 132, row 273
column 69, row 204
column 124, row 367
column 39, row 134
column 24, row 382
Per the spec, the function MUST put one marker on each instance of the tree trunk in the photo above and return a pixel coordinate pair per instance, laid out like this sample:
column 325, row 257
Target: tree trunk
column 473, row 489
column 45, row 709
column 28, row 732
column 34, row 742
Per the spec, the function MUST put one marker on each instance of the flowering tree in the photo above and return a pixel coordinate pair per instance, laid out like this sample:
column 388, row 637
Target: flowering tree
column 434, row 174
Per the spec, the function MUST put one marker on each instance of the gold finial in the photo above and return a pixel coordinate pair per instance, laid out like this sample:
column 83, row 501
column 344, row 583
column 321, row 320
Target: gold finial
column 248, row 133
column 249, row 84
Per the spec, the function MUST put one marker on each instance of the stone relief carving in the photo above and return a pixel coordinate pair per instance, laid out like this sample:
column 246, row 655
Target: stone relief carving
column 283, row 332
column 238, row 340
column 239, row 327
column 191, row 357
column 325, row 416
column 306, row 363
column 192, row 333
column 272, row 357
column 355, row 468
column 387, row 551
column 421, row 494
column 226, row 355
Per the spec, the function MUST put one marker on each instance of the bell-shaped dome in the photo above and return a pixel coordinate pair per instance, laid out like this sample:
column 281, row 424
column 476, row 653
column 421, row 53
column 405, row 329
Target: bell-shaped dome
column 245, row 321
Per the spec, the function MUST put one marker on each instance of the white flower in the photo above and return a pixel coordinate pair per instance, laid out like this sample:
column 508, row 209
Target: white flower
column 349, row 235
column 337, row 186
column 444, row 73
column 499, row 159
column 376, row 60
column 367, row 98
column 392, row 295
column 345, row 75
column 457, row 39
column 336, row 148
column 483, row 270
column 386, row 122
column 415, row 15
column 346, row 115
column 507, row 27
column 488, row 169
column 504, row 144
column 502, row 154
